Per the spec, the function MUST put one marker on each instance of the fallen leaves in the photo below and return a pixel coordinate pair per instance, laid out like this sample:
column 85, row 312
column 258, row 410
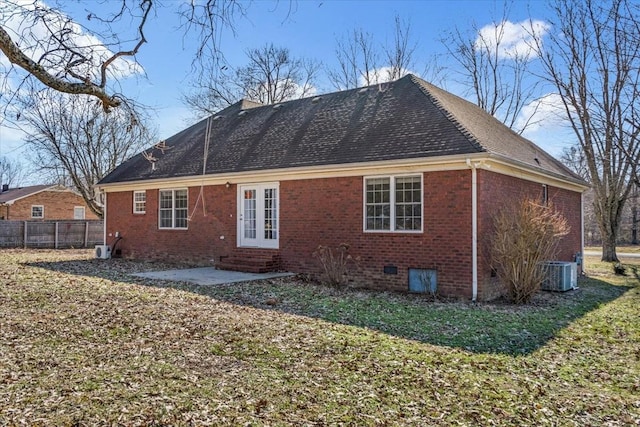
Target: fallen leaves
column 84, row 343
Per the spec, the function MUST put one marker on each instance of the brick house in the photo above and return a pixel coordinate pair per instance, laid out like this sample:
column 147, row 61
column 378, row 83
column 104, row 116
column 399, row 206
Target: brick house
column 406, row 174
column 42, row 202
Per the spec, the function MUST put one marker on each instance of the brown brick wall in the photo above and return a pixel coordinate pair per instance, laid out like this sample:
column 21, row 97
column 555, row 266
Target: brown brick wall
column 58, row 205
column 494, row 192
column 200, row 243
column 330, row 212
column 315, row 212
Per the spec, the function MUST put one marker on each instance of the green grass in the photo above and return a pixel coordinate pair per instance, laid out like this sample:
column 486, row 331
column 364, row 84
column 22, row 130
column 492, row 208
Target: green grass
column 479, row 328
column 84, row 343
column 629, row 249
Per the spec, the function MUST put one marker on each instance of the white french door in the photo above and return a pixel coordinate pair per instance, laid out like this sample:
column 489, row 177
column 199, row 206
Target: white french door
column 258, row 216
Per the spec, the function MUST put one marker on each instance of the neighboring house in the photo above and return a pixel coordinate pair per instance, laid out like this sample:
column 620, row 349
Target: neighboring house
column 42, row 202
column 406, row 174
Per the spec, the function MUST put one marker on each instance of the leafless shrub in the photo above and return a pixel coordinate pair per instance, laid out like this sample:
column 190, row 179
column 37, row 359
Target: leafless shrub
column 525, row 235
column 335, row 263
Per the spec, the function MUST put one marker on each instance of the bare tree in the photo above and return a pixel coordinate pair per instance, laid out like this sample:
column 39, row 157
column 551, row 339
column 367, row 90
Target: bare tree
column 11, row 172
column 359, row 57
column 574, row 158
column 593, row 61
column 271, row 75
column 399, row 55
column 73, row 137
column 493, row 66
column 48, row 45
column 357, row 61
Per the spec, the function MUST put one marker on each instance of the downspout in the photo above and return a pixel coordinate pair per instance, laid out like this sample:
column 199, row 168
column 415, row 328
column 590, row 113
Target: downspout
column 581, row 232
column 104, row 219
column 474, row 230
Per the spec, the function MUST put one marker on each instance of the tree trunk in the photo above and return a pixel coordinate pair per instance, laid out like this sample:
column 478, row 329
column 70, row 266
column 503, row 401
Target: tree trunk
column 609, row 233
column 634, row 224
column 609, row 248
column 608, row 212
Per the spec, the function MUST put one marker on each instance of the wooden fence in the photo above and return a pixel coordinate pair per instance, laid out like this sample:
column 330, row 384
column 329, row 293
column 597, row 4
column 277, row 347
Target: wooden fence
column 51, row 234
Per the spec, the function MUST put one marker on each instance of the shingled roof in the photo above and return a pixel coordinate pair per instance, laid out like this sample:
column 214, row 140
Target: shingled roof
column 11, row 195
column 404, row 119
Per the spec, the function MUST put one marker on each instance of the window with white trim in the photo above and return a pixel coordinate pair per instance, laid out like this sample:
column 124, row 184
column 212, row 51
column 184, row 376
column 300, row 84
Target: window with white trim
column 173, row 209
column 37, row 211
column 393, row 203
column 78, row 212
column 139, row 202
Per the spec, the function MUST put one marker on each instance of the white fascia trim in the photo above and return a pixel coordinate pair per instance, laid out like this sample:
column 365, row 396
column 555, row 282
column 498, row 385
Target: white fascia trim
column 503, row 166
column 424, row 164
column 390, row 167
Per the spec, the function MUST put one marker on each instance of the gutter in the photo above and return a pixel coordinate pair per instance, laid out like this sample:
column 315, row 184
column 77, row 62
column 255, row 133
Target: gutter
column 539, row 170
column 474, row 229
column 422, row 164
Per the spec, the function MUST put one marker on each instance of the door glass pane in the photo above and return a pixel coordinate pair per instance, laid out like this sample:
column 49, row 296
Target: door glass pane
column 270, row 213
column 249, row 211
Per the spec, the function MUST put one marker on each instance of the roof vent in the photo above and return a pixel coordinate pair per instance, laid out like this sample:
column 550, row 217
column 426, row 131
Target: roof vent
column 217, row 117
column 316, row 99
column 275, row 107
column 242, row 113
column 363, row 90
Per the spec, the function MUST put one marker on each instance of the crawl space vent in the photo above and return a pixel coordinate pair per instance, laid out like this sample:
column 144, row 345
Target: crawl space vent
column 423, row 281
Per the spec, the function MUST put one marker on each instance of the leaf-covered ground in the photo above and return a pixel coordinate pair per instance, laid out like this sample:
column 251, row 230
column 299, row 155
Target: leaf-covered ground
column 84, row 343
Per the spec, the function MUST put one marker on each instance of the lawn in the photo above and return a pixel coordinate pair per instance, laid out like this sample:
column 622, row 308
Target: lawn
column 629, row 249
column 84, row 343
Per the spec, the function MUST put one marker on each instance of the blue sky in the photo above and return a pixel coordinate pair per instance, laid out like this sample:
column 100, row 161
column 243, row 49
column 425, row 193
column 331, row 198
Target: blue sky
column 309, row 28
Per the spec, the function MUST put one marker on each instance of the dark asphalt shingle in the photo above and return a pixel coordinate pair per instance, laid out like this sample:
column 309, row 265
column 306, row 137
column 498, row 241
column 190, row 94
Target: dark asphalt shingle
column 407, row 118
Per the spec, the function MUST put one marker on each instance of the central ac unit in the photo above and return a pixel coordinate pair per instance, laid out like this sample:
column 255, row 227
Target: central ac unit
column 560, row 276
column 103, row 251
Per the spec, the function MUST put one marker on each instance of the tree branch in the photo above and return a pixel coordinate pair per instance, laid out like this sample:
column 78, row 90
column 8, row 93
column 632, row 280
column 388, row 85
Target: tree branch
column 17, row 57
column 146, row 6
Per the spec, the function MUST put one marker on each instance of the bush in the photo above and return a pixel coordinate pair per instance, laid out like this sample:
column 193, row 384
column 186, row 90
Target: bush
column 526, row 234
column 334, row 263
